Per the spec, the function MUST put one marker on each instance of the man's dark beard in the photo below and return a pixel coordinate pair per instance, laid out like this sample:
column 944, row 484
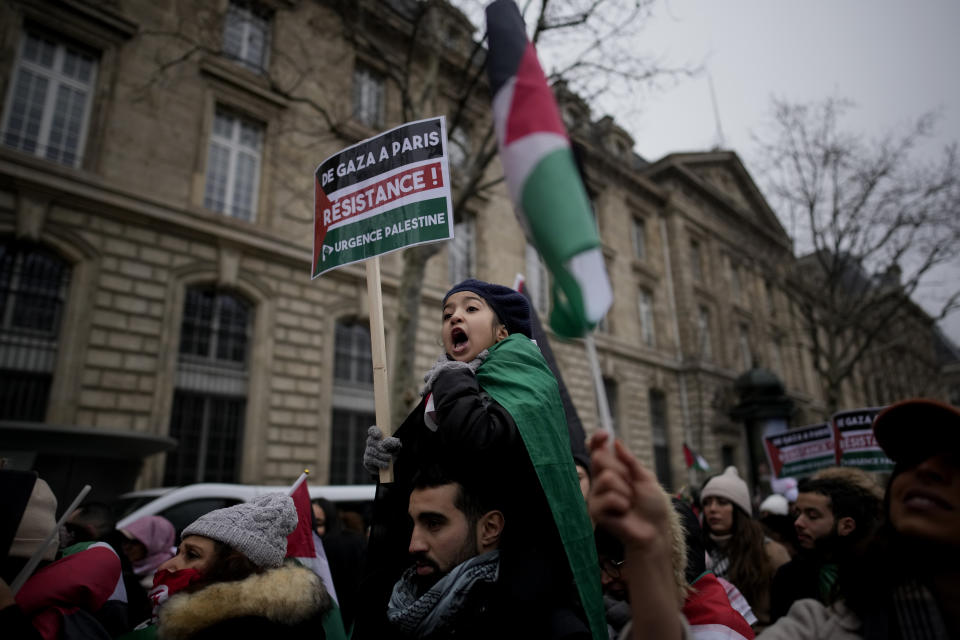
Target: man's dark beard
column 829, row 546
column 467, row 551
column 425, row 582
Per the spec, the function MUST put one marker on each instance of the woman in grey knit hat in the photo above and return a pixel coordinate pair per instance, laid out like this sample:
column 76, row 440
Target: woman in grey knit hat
column 229, row 578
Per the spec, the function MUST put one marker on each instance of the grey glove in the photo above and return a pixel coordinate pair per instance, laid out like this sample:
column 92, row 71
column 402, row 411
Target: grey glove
column 444, row 363
column 379, row 451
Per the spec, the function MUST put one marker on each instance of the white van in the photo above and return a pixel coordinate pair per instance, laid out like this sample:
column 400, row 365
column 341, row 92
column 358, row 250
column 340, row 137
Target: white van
column 183, row 505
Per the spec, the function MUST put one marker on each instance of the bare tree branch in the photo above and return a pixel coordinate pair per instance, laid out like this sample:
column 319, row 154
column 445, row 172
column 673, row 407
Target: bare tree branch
column 875, row 222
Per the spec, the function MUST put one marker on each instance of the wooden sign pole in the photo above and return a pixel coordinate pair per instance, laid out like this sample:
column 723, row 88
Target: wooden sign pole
column 378, row 351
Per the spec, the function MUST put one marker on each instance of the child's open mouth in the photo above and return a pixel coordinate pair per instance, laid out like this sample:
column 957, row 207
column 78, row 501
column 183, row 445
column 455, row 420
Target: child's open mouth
column 460, row 341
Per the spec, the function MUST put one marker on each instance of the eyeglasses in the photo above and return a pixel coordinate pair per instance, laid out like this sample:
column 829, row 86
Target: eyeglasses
column 611, row 567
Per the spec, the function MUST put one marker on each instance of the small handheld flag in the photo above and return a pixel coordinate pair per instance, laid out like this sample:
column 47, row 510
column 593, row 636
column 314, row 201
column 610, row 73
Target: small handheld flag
column 306, row 548
column 694, row 460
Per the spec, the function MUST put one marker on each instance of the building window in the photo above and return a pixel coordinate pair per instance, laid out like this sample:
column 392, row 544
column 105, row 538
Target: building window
column 233, row 166
column 735, row 285
column 48, row 107
column 209, row 400
column 33, row 289
column 538, row 281
column 878, row 394
column 352, row 362
column 349, row 435
column 246, row 35
column 704, row 346
column 728, row 456
column 368, row 97
column 595, row 209
column 215, row 327
column 462, row 250
column 746, row 358
column 661, row 440
column 776, row 356
column 610, row 388
column 353, row 404
column 639, row 239
column 208, row 429
column 696, row 261
column 646, row 317
column 604, row 325
column 771, row 298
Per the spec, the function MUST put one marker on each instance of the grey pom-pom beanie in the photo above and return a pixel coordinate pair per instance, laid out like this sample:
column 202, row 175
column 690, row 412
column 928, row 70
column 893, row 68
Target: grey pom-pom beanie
column 257, row 529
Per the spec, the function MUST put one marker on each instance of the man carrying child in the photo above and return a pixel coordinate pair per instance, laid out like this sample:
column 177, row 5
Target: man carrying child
column 491, row 408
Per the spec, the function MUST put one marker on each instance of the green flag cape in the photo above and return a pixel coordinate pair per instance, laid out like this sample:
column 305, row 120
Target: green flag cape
column 518, row 378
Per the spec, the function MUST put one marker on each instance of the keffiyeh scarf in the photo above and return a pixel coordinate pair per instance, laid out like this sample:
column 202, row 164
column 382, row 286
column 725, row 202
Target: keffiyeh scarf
column 430, row 614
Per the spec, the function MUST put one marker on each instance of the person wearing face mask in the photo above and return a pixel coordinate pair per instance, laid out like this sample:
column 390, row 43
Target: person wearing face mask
column 738, row 548
column 148, row 543
column 229, row 578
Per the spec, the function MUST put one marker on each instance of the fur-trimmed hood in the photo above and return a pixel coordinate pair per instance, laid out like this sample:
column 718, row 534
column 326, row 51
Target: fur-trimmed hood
column 287, row 595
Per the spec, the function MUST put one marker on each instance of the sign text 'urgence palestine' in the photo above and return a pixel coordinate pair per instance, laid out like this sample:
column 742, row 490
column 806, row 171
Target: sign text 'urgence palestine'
column 383, row 194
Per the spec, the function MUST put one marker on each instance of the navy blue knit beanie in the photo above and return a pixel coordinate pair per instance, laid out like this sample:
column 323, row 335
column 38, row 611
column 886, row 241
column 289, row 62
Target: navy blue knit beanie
column 511, row 306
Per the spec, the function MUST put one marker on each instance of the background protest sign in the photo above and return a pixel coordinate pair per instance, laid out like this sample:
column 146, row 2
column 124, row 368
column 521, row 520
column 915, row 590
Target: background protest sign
column 801, row 452
column 382, row 194
column 856, row 446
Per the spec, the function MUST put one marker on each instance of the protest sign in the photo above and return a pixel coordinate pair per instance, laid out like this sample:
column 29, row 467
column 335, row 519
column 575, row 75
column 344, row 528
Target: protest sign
column 801, row 452
column 382, row 194
column 856, row 445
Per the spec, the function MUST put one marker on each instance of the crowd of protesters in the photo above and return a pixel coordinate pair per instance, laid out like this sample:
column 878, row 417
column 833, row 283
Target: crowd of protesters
column 867, row 567
column 492, row 527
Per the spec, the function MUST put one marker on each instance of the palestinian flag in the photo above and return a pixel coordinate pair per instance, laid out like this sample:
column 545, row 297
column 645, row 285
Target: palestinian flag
column 305, row 546
column 548, row 195
column 78, row 596
column 578, row 437
column 694, row 460
column 710, row 614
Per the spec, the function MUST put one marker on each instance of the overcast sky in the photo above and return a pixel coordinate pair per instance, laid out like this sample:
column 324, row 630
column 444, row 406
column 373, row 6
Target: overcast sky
column 894, row 59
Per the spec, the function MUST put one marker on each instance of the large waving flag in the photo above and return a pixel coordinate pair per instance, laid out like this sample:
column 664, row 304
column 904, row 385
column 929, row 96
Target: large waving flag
column 578, row 437
column 548, row 196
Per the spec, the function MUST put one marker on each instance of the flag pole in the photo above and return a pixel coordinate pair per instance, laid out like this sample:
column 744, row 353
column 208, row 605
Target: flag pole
column 606, row 423
column 34, row 560
column 378, row 351
column 303, row 476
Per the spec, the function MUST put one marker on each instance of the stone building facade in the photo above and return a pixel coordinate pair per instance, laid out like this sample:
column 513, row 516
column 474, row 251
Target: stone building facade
column 155, row 226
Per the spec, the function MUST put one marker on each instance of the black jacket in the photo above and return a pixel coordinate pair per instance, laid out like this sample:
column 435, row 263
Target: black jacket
column 478, row 443
column 491, row 613
column 796, row 580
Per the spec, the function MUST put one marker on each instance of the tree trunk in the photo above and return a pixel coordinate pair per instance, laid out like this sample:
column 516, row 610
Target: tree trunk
column 405, row 379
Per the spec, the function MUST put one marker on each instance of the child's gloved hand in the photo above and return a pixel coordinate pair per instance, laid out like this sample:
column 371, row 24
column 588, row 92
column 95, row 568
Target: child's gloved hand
column 379, row 451
column 444, row 363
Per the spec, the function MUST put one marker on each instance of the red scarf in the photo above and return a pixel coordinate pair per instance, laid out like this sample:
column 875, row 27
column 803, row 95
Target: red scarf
column 166, row 583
